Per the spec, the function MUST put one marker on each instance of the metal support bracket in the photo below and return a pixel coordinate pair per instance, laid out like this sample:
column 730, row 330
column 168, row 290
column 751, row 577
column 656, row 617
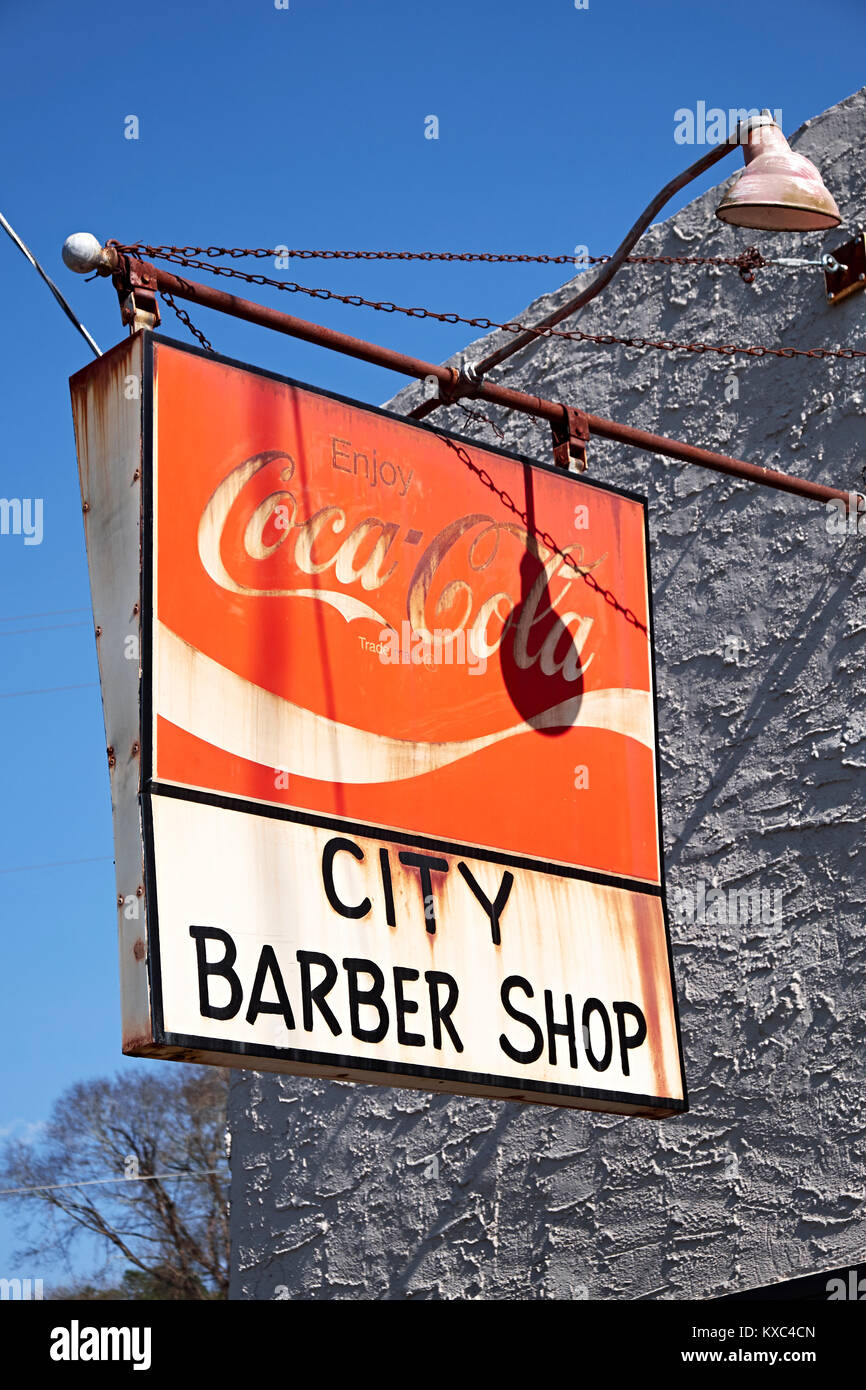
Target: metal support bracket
column 136, row 285
column 570, row 440
column 449, row 393
column 462, row 384
column 851, row 272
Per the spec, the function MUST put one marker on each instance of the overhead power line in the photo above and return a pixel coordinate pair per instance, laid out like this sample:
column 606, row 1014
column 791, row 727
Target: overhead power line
column 107, row 1182
column 57, row 864
column 51, row 613
column 46, row 690
column 69, row 312
column 52, row 627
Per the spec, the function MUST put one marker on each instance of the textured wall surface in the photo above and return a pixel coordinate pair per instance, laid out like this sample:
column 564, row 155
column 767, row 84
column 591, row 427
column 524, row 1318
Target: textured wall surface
column 342, row 1191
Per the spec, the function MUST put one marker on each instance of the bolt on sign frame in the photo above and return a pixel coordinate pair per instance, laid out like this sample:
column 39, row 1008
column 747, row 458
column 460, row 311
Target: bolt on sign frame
column 380, row 714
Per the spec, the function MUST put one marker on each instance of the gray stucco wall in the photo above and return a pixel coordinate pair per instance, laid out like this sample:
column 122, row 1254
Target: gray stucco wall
column 342, row 1191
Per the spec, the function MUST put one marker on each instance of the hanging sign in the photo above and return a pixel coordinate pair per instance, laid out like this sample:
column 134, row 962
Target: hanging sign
column 380, row 715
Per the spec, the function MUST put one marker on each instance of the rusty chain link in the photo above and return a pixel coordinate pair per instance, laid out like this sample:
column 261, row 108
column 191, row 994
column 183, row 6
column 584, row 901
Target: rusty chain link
column 747, row 262
column 573, row 335
column 472, row 413
column 185, row 318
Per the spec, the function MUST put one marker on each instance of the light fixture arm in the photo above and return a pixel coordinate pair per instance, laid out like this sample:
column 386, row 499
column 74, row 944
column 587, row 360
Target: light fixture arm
column 738, row 135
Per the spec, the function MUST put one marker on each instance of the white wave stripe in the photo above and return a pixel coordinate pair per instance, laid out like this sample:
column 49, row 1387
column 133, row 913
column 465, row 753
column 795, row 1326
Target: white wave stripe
column 350, row 608
column 206, row 700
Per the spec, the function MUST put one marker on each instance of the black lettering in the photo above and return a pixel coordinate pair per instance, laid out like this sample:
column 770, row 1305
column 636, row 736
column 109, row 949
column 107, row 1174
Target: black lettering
column 405, row 1006
column 311, row 996
column 493, row 909
column 626, row 1040
column 533, row 1053
column 332, row 848
column 372, row 998
column 426, row 864
column 441, row 1013
column 201, row 936
column 268, row 966
column 385, row 866
column 565, row 1029
column 590, row 1007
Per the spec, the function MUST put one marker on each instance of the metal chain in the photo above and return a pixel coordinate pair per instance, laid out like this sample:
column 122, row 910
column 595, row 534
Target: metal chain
column 545, row 537
column 185, row 318
column 478, row 416
column 572, row 335
column 748, row 260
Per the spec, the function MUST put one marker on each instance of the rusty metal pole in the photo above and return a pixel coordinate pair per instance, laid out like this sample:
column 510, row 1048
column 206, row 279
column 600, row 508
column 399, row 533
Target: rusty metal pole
column 131, row 276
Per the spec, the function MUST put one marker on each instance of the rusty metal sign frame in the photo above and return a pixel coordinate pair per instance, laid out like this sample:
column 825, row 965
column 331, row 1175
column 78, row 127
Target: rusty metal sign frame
column 145, row 1033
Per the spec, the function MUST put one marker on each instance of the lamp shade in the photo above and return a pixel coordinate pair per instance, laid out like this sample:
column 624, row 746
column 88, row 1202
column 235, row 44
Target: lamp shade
column 778, row 191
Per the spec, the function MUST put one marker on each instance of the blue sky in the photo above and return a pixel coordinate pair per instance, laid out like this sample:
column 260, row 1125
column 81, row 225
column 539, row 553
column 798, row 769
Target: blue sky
column 302, row 126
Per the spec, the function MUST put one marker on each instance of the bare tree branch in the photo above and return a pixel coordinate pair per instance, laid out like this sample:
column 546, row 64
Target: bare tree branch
column 169, row 1125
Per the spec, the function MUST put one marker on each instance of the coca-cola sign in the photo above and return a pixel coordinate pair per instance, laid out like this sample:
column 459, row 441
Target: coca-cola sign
column 387, row 634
